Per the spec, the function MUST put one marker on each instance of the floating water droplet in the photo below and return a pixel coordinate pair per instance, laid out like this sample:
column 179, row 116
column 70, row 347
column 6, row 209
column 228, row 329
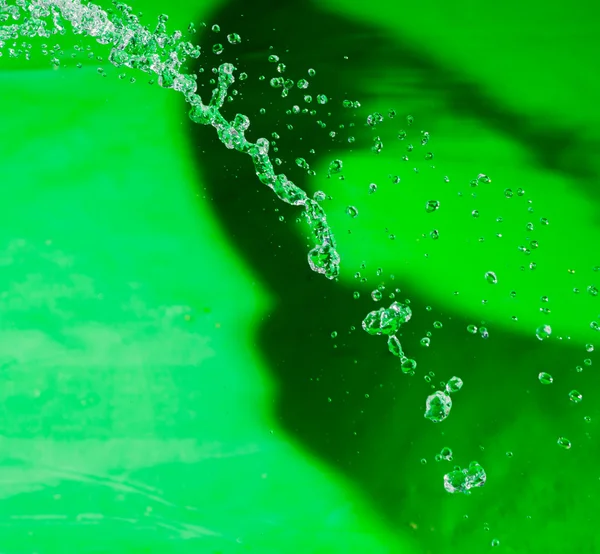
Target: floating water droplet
column 425, row 341
column 593, row 290
column 545, row 378
column 543, row 332
column 386, row 321
column 595, row 326
column 218, row 48
column 394, row 346
column 352, row 211
column 376, row 295
column 589, row 347
column 575, row 396
column 435, row 234
column 432, row 206
column 484, row 332
column 483, row 179
column 438, row 406
column 322, row 99
column 356, row 295
column 463, row 480
column 454, row 384
column 495, row 542
column 491, row 278
column 437, row 325
column 508, row 193
column 372, row 188
column 408, row 366
column 335, row 167
column 333, row 334
column 446, row 454
column 564, row 443
column 234, row 38
column 472, row 329
column 216, row 29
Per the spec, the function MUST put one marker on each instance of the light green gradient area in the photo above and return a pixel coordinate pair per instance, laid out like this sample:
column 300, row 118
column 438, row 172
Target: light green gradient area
column 137, row 413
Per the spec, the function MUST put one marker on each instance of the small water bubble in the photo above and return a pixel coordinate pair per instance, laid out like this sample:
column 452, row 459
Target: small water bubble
column 446, row 454
column 372, row 188
column 545, row 378
column 475, row 213
column 589, row 347
column 495, row 542
column 432, row 205
column 333, row 334
column 435, row 234
column 575, row 396
column 508, row 193
column 335, row 167
column 472, row 329
column 352, row 211
column 564, row 443
column 543, row 332
column 410, row 119
column 234, row 38
column 592, row 290
column 376, row 295
column 520, row 192
column 408, row 366
column 587, row 361
column 491, row 278
column 216, row 29
column 484, row 332
column 356, row 295
column 425, row 341
column 322, row 99
column 438, row 406
column 454, row 384
column 437, row 325
column 544, row 220
column 429, row 156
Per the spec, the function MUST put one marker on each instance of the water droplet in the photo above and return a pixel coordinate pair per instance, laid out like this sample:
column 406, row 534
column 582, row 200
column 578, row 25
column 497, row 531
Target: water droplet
column 520, row 192
column 386, row 321
column 333, row 334
column 491, row 278
column 472, row 329
column 425, row 341
column 408, row 366
column 410, row 119
column 394, row 346
column 435, row 234
column 593, row 290
column 484, row 332
column 215, row 28
column 445, row 454
column 217, row 48
column 352, row 211
column 376, row 295
column 483, row 179
column 437, row 325
column 463, row 480
column 432, row 206
column 322, row 99
column 475, row 213
column 544, row 220
column 545, row 378
column 564, row 443
column 589, row 347
column 495, row 542
column 508, row 193
column 575, row 396
column 543, row 332
column 234, row 38
column 335, row 167
column 438, row 406
column 587, row 361
column 372, row 188
column 454, row 384
column 595, row 326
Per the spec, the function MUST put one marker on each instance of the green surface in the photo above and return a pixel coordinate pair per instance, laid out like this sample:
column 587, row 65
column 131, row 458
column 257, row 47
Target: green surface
column 147, row 403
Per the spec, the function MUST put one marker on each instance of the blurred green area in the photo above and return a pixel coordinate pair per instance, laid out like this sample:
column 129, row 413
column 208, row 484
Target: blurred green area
column 139, row 408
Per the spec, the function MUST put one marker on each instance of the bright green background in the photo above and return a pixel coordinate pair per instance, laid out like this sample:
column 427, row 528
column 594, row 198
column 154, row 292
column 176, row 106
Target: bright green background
column 137, row 411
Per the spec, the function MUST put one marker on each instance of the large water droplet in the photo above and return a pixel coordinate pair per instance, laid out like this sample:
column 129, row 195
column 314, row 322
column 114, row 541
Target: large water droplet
column 463, row 480
column 543, row 332
column 438, row 406
column 454, row 384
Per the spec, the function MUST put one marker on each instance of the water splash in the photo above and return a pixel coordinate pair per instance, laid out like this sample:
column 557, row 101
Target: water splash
column 162, row 54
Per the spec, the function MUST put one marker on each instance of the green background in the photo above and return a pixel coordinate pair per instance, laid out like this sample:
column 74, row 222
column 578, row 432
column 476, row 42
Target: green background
column 170, row 382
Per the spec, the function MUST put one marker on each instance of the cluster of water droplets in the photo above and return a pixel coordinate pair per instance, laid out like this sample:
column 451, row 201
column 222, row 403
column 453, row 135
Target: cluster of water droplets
column 162, row 54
